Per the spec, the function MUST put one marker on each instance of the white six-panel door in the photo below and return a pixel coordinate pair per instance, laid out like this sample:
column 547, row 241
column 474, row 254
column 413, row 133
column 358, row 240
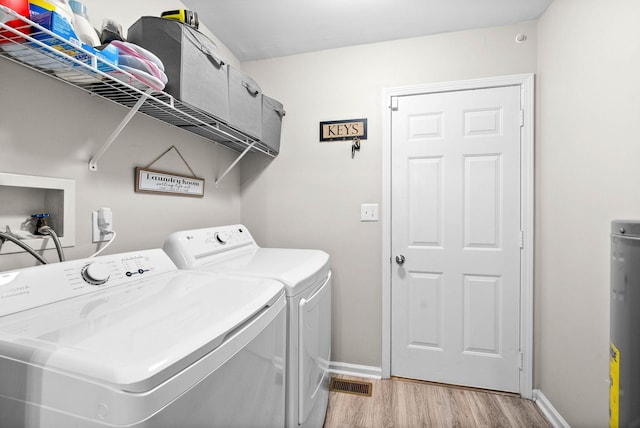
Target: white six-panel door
column 456, row 237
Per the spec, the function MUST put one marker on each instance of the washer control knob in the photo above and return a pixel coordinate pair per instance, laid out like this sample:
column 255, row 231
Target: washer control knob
column 95, row 273
column 222, row 237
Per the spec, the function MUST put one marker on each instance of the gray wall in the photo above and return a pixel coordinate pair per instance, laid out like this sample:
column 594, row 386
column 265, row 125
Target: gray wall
column 310, row 195
column 587, row 175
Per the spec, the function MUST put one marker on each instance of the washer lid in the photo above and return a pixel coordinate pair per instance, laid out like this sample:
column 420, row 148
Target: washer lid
column 297, row 269
column 135, row 336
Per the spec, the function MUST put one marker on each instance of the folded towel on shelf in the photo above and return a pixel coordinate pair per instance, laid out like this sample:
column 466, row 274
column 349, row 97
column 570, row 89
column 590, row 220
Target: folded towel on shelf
column 141, row 63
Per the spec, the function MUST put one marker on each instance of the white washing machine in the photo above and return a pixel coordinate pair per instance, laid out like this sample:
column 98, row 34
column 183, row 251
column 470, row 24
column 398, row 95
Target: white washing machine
column 130, row 340
column 307, row 280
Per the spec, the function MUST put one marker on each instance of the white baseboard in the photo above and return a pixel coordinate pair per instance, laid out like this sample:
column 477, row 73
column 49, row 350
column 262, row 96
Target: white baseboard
column 348, row 369
column 550, row 412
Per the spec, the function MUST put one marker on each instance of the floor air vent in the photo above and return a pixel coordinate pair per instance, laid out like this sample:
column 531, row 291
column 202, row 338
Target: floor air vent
column 351, row 387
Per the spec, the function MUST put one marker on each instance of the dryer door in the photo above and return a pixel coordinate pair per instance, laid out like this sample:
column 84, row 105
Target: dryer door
column 314, row 336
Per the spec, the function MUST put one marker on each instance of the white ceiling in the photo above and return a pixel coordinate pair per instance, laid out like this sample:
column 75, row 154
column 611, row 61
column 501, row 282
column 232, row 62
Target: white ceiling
column 260, row 29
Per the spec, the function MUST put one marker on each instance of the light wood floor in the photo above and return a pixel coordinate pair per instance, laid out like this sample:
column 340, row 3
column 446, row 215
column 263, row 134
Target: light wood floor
column 401, row 403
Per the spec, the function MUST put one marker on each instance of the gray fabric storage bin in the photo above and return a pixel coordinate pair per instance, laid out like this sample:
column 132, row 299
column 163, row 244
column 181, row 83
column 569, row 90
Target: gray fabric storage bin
column 245, row 103
column 197, row 75
column 272, row 114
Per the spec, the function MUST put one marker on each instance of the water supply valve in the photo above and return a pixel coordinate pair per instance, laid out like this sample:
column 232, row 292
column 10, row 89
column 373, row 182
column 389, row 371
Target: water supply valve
column 41, row 221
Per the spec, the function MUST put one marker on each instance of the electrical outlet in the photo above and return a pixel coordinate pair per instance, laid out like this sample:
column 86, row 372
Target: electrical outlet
column 101, row 231
column 368, row 212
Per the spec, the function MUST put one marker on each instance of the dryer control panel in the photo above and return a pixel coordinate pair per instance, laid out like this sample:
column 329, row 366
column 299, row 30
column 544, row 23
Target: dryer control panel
column 192, row 248
column 40, row 285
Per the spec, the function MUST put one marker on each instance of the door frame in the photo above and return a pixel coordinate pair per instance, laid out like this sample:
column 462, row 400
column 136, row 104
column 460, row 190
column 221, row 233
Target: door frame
column 526, row 83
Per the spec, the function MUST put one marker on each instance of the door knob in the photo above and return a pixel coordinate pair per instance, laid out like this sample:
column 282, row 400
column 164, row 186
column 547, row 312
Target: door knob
column 400, row 259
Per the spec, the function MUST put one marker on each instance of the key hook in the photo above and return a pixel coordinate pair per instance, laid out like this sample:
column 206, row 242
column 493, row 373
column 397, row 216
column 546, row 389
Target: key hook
column 355, row 145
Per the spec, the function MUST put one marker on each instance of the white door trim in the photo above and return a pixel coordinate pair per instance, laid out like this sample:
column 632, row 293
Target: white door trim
column 526, row 83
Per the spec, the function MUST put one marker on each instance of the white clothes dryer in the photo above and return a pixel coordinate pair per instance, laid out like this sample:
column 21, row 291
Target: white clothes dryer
column 307, row 281
column 130, row 340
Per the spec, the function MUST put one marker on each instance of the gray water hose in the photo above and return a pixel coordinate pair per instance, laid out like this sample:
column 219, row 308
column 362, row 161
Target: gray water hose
column 28, row 249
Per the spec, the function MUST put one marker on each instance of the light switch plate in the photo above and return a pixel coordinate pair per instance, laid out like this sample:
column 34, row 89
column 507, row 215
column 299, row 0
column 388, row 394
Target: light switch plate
column 368, row 212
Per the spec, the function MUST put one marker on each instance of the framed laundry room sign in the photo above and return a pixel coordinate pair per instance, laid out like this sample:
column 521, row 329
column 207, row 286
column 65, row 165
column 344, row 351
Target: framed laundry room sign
column 154, row 181
column 341, row 130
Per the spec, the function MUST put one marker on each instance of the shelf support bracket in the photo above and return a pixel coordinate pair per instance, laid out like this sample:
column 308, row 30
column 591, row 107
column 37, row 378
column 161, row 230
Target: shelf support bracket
column 235, row 162
column 93, row 163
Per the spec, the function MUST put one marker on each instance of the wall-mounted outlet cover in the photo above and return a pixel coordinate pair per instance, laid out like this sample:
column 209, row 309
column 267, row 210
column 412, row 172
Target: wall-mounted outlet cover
column 102, row 225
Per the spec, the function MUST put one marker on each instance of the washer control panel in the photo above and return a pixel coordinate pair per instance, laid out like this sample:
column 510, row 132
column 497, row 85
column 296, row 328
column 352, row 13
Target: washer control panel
column 95, row 273
column 222, row 237
column 190, row 248
column 218, row 238
column 40, row 285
